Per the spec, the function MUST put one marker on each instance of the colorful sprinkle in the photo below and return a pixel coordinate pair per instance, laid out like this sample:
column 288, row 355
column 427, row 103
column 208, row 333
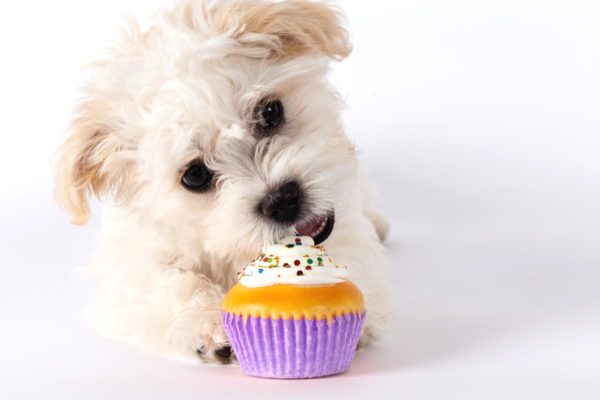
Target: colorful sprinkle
column 303, row 265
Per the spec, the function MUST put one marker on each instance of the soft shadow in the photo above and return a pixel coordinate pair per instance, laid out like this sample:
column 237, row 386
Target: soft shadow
column 413, row 342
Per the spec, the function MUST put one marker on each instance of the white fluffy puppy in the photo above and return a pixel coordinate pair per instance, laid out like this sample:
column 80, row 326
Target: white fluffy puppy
column 211, row 134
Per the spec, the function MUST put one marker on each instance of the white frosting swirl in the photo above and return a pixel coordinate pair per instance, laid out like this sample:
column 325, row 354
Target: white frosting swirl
column 294, row 260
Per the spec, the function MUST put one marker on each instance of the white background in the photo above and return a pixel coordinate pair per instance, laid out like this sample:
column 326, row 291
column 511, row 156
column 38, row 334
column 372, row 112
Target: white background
column 479, row 120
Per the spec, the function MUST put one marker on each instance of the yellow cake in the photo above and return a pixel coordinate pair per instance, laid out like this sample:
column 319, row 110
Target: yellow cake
column 293, row 301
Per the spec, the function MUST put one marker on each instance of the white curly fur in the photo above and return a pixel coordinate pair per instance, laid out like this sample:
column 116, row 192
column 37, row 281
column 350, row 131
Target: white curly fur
column 186, row 90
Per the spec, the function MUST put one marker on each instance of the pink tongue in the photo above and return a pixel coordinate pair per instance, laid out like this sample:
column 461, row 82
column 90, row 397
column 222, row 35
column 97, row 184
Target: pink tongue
column 310, row 227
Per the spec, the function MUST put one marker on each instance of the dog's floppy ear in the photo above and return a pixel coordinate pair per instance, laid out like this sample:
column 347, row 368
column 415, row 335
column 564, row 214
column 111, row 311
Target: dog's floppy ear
column 89, row 162
column 298, row 26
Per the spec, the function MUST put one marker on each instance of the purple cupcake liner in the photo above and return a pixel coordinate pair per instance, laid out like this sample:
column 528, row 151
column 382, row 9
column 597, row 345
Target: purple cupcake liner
column 293, row 348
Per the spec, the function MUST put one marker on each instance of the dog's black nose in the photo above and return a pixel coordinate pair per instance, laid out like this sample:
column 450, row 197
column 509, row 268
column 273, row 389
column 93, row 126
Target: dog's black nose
column 283, row 203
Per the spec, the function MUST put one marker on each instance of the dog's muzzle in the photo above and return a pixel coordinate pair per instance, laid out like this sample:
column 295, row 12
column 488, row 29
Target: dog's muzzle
column 283, row 203
column 317, row 227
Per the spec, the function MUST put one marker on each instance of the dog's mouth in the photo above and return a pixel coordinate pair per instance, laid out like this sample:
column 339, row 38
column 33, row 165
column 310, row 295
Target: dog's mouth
column 318, row 227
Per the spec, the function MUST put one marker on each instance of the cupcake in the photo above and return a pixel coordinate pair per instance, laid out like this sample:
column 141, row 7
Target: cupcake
column 294, row 313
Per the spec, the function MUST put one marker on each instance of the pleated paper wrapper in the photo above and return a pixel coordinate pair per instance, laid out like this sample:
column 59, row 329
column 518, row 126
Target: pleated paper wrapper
column 293, row 348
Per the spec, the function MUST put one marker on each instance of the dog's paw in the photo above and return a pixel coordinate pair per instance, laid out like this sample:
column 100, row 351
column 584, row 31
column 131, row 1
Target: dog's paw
column 214, row 347
column 367, row 338
column 364, row 341
column 222, row 354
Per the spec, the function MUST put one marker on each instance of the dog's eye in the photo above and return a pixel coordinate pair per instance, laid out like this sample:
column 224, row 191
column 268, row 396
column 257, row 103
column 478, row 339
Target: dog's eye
column 268, row 116
column 197, row 177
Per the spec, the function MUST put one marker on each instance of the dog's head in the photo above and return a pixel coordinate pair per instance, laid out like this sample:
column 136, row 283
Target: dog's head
column 217, row 122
